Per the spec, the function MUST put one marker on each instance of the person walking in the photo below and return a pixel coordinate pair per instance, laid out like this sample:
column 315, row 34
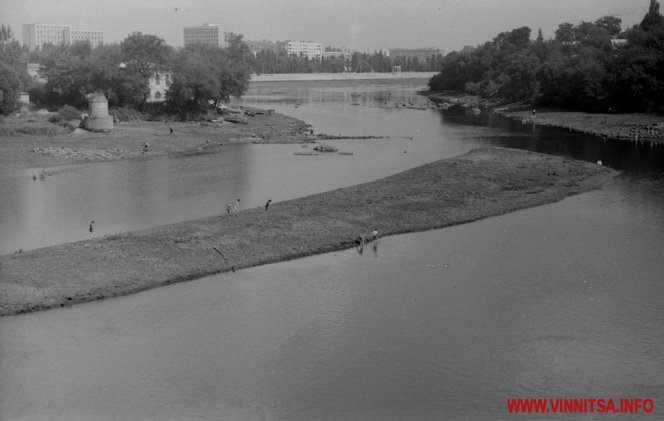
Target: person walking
column 92, row 228
column 267, row 205
column 236, row 207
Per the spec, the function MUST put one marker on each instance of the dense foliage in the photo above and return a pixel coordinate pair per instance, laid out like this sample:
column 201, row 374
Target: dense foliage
column 592, row 66
column 12, row 70
column 270, row 62
column 202, row 77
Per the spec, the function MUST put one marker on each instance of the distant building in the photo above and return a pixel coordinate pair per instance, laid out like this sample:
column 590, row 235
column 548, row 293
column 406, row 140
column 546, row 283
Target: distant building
column 308, row 49
column 261, row 46
column 421, row 54
column 618, row 42
column 159, row 83
column 210, row 34
column 24, row 98
column 331, row 52
column 35, row 35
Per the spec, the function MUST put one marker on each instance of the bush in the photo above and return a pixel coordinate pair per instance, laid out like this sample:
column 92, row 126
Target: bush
column 68, row 112
column 55, row 118
column 126, row 114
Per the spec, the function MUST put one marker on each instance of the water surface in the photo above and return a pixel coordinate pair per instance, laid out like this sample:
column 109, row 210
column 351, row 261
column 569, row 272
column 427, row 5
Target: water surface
column 562, row 300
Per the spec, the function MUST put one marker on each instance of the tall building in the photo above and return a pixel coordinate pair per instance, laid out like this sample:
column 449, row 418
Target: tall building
column 308, row 49
column 209, row 34
column 35, row 35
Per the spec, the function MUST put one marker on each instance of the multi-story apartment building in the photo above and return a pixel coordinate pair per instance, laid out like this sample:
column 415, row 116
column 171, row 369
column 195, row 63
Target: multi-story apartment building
column 210, row 34
column 262, row 46
column 35, row 35
column 337, row 52
column 96, row 38
column 308, row 49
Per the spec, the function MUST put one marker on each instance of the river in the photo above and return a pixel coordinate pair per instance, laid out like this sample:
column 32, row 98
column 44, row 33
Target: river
column 562, row 300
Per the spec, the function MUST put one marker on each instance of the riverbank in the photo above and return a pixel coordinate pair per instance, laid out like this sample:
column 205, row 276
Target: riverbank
column 127, row 141
column 479, row 184
column 637, row 127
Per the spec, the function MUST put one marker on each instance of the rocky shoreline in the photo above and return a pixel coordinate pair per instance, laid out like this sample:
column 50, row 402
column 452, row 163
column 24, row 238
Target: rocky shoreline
column 481, row 183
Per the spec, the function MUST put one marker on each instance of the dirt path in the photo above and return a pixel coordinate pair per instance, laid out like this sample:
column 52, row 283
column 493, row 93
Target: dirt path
column 476, row 185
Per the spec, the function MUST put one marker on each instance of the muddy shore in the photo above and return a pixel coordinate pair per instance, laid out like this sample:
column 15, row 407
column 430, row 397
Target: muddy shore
column 479, row 184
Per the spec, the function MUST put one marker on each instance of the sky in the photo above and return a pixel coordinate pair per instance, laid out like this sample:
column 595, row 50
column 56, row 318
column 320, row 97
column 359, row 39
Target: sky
column 362, row 25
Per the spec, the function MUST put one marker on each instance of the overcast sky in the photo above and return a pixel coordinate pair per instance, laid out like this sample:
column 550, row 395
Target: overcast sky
column 358, row 24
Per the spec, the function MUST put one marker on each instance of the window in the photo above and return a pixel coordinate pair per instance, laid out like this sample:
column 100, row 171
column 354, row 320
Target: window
column 157, row 95
column 157, row 79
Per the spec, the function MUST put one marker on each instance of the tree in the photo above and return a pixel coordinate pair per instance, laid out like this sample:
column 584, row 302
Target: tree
column 653, row 18
column 611, row 24
column 14, row 56
column 236, row 49
column 142, row 56
column 565, row 33
column 594, row 35
column 193, row 85
column 145, row 53
column 10, row 87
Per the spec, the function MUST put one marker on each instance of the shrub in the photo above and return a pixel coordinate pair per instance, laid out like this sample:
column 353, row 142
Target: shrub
column 55, row 118
column 125, row 114
column 67, row 112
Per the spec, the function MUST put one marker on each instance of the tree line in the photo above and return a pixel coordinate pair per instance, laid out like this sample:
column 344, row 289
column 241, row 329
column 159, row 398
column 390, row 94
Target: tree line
column 200, row 77
column 268, row 61
column 592, row 66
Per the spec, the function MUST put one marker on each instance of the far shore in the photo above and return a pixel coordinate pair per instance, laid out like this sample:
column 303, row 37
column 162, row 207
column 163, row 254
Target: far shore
column 307, row 77
column 482, row 183
column 635, row 127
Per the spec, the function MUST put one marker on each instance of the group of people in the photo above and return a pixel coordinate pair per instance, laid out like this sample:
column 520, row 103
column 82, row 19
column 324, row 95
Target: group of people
column 359, row 242
column 232, row 209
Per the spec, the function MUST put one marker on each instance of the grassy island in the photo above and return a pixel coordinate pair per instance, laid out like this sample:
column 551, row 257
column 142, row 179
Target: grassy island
column 481, row 183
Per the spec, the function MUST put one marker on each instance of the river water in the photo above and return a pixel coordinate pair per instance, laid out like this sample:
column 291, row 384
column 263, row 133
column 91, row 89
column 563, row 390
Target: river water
column 562, row 300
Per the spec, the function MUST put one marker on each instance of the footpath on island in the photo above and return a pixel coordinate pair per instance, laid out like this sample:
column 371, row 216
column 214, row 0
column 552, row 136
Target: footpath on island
column 479, row 184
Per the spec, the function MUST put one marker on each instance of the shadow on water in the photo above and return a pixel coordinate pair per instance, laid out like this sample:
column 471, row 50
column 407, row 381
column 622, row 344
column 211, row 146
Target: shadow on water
column 623, row 155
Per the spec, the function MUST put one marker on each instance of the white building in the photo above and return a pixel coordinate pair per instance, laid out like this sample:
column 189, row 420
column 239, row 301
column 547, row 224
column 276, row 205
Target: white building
column 210, row 34
column 35, row 35
column 308, row 49
column 159, row 83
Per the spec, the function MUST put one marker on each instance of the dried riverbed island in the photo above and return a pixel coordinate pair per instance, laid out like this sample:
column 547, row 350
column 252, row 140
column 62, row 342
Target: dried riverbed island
column 481, row 183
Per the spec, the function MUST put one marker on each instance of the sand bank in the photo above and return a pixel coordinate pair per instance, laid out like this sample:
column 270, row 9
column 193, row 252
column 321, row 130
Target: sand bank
column 476, row 185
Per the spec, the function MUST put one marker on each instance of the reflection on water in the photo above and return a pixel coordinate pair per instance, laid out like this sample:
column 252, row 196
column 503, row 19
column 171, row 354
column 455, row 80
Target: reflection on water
column 559, row 300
